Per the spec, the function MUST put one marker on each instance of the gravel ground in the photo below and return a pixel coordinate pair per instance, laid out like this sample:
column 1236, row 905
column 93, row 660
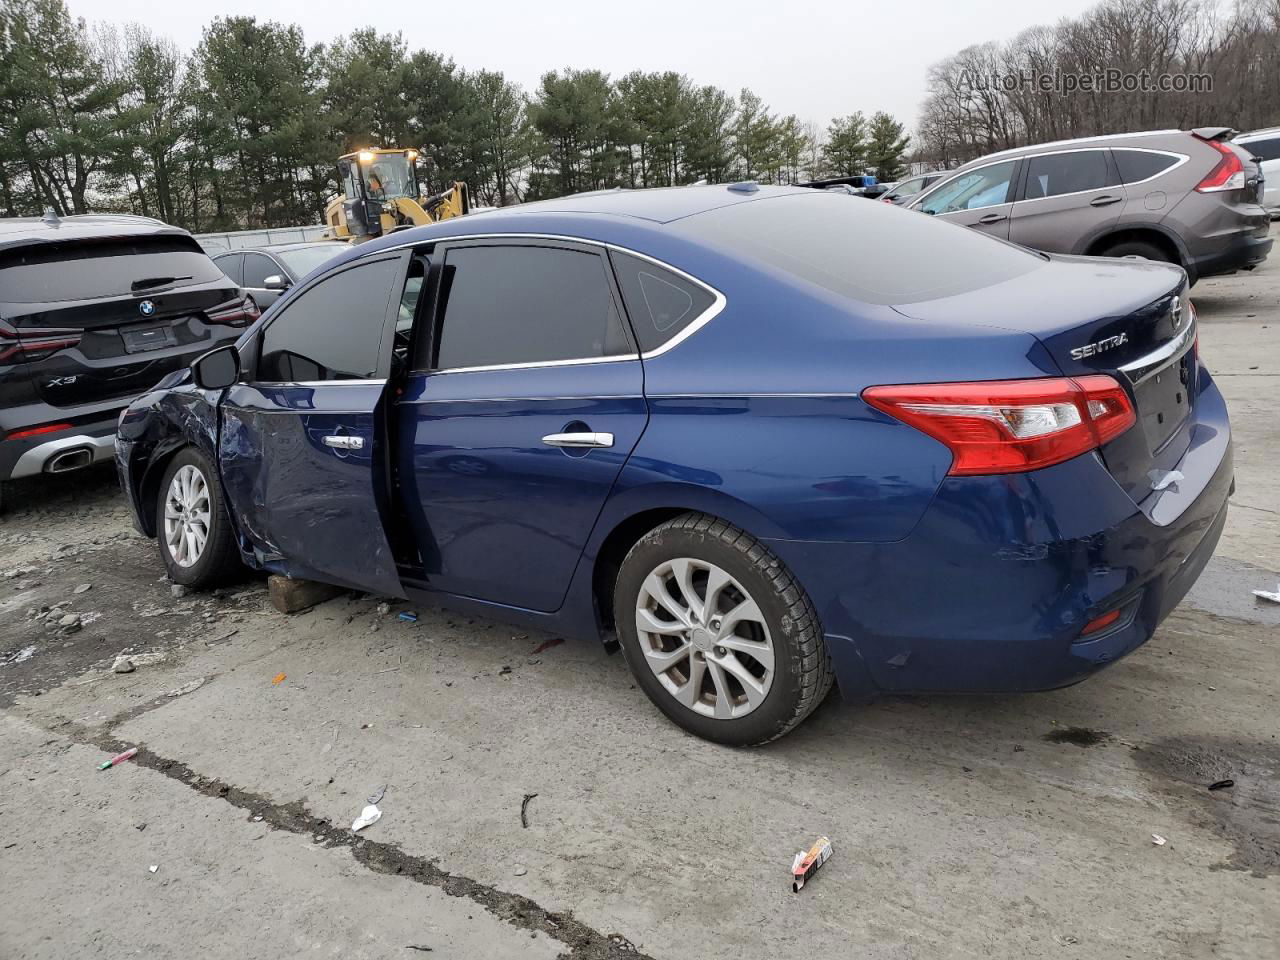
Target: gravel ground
column 963, row 827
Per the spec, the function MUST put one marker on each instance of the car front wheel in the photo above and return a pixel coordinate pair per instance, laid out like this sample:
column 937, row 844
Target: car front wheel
column 718, row 633
column 192, row 527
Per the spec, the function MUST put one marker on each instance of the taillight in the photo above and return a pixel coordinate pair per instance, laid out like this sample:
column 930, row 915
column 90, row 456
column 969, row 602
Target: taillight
column 38, row 431
column 15, row 349
column 1228, row 174
column 1008, row 426
column 233, row 313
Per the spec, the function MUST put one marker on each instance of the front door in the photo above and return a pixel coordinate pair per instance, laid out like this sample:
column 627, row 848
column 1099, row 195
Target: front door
column 527, row 404
column 980, row 199
column 303, row 444
column 1066, row 198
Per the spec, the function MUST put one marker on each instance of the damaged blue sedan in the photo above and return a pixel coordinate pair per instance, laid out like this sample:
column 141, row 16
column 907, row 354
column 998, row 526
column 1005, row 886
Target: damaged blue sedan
column 762, row 439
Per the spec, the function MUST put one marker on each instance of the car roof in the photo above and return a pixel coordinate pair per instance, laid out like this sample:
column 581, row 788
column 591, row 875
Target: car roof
column 282, row 247
column 30, row 231
column 1107, row 139
column 1256, row 134
column 656, row 204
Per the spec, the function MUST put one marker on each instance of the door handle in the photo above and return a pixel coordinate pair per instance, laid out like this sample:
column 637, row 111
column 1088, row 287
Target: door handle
column 993, row 218
column 585, row 439
column 345, row 442
column 1104, row 201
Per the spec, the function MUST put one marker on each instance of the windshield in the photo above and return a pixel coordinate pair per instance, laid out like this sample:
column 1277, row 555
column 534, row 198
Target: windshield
column 302, row 260
column 389, row 176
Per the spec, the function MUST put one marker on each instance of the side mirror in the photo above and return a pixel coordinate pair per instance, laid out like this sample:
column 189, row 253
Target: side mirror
column 217, row 369
column 276, row 282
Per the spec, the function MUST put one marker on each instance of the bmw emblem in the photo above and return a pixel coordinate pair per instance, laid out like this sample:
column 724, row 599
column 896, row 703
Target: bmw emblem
column 146, row 308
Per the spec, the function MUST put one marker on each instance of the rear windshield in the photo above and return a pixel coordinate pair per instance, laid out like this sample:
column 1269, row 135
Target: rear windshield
column 302, row 260
column 92, row 269
column 873, row 252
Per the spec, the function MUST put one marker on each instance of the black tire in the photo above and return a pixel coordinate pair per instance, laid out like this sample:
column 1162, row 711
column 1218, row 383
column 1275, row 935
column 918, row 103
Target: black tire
column 802, row 670
column 220, row 559
column 1137, row 248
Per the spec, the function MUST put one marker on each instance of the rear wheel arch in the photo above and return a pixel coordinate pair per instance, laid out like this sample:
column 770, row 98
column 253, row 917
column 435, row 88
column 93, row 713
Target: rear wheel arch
column 1145, row 235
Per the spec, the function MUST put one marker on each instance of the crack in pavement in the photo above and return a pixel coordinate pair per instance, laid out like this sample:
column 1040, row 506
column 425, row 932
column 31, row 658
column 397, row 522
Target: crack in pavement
column 583, row 942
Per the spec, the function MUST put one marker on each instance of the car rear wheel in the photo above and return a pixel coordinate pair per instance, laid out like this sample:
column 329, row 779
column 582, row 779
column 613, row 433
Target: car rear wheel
column 192, row 528
column 1137, row 248
column 718, row 633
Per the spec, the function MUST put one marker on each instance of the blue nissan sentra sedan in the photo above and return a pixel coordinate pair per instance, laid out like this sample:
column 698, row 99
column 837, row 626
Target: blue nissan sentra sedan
column 760, row 438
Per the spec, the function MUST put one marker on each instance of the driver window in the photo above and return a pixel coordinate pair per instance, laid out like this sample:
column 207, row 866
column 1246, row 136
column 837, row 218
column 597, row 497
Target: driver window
column 972, row 191
column 333, row 330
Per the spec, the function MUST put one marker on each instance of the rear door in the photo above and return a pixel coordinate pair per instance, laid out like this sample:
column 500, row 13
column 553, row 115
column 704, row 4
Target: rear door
column 980, row 198
column 124, row 312
column 1066, row 200
column 303, row 440
column 527, row 403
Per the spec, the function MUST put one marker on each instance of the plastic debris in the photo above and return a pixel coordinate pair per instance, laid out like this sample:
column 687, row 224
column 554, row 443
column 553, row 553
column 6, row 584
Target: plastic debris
column 119, row 758
column 806, row 864
column 1222, row 785
column 1158, row 840
column 153, row 868
column 1268, row 595
column 368, row 817
column 408, row 616
column 277, row 679
column 378, row 794
column 548, row 644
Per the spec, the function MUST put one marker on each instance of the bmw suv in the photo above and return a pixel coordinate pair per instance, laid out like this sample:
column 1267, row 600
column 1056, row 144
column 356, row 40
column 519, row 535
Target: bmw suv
column 95, row 310
column 1192, row 198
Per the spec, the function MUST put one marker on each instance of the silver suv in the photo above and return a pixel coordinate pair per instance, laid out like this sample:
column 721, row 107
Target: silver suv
column 1187, row 197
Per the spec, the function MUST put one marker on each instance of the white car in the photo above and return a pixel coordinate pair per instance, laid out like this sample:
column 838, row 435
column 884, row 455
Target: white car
column 1265, row 145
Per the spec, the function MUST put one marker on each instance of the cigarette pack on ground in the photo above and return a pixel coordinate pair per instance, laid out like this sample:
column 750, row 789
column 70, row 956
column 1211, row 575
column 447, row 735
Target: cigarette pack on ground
column 806, row 863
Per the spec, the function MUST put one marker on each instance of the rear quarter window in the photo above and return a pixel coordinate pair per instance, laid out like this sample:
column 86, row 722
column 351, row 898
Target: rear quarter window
column 660, row 303
column 1138, row 165
column 96, row 269
column 872, row 252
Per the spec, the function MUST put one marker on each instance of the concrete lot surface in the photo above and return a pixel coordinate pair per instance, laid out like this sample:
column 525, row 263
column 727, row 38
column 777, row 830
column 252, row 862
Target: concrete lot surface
column 963, row 827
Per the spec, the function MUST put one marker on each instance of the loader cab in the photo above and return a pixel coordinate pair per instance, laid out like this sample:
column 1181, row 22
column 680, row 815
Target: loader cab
column 372, row 180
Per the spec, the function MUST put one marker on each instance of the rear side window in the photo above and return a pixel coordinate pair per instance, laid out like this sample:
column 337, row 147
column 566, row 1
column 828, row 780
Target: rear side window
column 333, row 330
column 908, row 188
column 660, row 303
column 92, row 269
column 526, row 305
column 1138, row 165
column 230, row 265
column 1268, row 149
column 1060, row 173
column 872, row 252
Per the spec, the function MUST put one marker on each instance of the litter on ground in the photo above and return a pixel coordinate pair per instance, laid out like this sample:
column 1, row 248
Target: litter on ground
column 119, row 758
column 806, row 864
column 368, row 816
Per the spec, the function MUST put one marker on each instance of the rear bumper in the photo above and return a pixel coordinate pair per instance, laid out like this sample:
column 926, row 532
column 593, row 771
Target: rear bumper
column 56, row 452
column 990, row 592
column 1243, row 253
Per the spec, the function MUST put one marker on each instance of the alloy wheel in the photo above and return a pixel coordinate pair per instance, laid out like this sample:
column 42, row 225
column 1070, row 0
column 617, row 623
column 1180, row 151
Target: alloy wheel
column 705, row 638
column 187, row 516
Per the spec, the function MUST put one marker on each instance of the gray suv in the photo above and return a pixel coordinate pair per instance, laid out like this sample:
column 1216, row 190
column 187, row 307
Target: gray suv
column 1187, row 197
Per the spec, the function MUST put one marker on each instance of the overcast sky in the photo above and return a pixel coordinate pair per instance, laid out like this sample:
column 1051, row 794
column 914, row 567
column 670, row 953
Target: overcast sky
column 816, row 60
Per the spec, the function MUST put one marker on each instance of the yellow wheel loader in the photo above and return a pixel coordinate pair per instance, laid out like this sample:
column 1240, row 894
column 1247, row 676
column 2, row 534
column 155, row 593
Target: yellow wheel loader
column 380, row 194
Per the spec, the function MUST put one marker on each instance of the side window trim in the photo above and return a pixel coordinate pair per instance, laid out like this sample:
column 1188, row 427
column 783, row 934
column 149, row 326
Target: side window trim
column 440, row 257
column 385, row 347
column 694, row 325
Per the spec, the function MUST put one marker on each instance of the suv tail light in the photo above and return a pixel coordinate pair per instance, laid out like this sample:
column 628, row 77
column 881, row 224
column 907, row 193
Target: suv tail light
column 234, row 313
column 1227, row 174
column 1008, row 426
column 15, row 349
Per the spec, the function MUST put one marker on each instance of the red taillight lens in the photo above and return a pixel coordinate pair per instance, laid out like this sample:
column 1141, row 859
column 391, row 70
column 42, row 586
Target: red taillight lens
column 38, row 431
column 234, row 313
column 1228, row 174
column 1008, row 426
column 1101, row 623
column 34, row 346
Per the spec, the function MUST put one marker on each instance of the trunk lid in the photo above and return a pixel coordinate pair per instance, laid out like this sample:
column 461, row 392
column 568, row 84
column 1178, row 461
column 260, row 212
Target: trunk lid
column 1128, row 319
column 104, row 319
